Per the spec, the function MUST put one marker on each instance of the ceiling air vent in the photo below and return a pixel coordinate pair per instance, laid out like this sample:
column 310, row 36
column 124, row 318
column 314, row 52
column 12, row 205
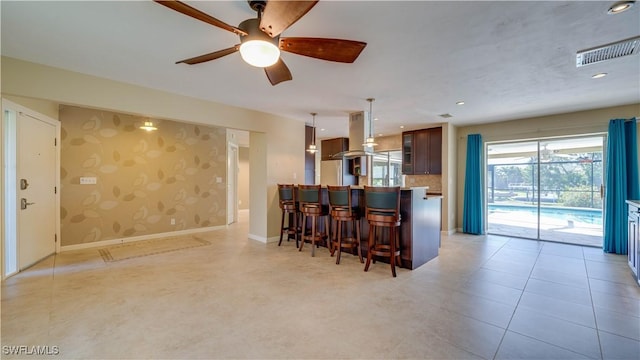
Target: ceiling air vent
column 445, row 116
column 607, row 52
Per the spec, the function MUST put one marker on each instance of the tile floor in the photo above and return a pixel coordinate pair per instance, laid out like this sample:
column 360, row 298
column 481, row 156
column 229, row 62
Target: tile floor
column 484, row 297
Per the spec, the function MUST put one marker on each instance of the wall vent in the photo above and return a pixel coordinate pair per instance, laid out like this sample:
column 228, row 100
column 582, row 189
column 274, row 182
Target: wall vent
column 607, row 52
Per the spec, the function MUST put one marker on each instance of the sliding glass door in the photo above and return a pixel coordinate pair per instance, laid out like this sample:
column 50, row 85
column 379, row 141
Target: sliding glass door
column 546, row 189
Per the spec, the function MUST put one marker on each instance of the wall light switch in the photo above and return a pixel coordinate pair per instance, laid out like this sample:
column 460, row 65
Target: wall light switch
column 88, row 180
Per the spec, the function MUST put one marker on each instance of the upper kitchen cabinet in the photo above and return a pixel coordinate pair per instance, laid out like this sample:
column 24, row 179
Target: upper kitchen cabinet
column 333, row 146
column 422, row 152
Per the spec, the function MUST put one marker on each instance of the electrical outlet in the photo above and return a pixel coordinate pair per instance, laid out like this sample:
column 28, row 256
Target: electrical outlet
column 173, row 221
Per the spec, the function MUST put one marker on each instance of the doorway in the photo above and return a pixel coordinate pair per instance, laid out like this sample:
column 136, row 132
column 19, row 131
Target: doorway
column 31, row 183
column 232, row 184
column 547, row 189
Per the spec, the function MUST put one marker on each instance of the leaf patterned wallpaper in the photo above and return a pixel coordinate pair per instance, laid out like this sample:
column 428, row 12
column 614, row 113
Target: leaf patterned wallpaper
column 144, row 179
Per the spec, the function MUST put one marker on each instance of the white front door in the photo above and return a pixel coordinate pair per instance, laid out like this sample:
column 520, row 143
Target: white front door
column 36, row 189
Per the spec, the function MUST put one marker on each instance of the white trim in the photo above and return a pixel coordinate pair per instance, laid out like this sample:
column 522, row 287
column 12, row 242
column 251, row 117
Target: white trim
column 7, row 104
column 261, row 239
column 448, row 232
column 233, row 207
column 139, row 238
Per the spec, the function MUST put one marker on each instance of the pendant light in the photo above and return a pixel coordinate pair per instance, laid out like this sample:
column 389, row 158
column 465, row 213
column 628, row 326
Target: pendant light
column 312, row 147
column 370, row 142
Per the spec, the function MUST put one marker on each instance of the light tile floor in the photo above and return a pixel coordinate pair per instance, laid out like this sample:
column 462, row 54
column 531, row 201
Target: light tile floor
column 484, row 297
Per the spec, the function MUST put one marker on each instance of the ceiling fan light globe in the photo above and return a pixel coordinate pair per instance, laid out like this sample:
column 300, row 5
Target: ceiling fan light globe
column 259, row 53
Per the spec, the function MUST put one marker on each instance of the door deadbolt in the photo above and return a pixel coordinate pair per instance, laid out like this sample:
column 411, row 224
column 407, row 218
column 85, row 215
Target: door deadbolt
column 24, row 203
column 24, row 184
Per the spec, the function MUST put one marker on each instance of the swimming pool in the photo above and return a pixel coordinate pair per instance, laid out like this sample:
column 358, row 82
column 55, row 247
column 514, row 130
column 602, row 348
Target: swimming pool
column 581, row 215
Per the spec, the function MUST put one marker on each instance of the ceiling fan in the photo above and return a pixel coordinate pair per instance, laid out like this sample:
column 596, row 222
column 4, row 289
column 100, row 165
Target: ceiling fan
column 260, row 41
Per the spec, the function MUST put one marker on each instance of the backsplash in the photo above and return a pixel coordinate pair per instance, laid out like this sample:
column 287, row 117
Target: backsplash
column 144, row 180
column 434, row 182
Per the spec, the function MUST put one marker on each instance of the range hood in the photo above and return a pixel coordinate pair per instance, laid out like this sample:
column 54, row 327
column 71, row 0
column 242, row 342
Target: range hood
column 358, row 127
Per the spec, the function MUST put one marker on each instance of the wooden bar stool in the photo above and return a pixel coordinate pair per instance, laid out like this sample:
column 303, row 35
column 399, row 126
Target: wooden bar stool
column 343, row 212
column 383, row 211
column 311, row 206
column 289, row 207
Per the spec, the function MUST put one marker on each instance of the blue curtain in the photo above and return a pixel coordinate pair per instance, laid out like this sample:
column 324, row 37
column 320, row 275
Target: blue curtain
column 473, row 210
column 622, row 182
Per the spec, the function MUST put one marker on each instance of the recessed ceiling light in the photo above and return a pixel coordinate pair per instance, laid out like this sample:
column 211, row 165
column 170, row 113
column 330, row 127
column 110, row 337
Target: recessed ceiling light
column 460, row 103
column 379, row 134
column 321, row 129
column 619, row 7
column 599, row 75
column 401, row 126
column 375, row 119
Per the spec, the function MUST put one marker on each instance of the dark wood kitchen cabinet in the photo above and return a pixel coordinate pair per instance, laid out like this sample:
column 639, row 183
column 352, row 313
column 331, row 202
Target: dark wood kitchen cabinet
column 422, row 152
column 358, row 166
column 331, row 147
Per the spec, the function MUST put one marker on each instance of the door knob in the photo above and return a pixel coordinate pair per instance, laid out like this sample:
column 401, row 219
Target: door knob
column 24, row 203
column 24, row 184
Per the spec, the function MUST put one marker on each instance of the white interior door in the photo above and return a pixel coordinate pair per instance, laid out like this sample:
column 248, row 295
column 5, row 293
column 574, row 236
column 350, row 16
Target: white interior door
column 36, row 189
column 232, row 184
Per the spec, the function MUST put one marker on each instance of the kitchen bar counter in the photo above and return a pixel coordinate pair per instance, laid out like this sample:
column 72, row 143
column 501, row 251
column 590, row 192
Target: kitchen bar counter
column 419, row 227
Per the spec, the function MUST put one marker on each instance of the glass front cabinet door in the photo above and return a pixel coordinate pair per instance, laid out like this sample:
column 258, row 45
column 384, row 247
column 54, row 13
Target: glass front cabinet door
column 407, row 153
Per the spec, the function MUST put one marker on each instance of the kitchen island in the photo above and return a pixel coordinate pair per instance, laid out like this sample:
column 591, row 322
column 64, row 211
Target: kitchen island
column 419, row 228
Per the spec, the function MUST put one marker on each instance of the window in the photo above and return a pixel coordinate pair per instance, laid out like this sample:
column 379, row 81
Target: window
column 386, row 168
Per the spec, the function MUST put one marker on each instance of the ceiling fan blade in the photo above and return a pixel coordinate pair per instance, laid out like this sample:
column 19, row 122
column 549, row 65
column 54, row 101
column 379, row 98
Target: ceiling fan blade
column 279, row 15
column 339, row 50
column 210, row 56
column 278, row 73
column 197, row 14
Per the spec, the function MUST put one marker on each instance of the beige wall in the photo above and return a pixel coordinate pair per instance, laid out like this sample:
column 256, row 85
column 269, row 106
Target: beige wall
column 577, row 123
column 272, row 158
column 388, row 143
column 243, row 178
column 144, row 179
column 449, row 176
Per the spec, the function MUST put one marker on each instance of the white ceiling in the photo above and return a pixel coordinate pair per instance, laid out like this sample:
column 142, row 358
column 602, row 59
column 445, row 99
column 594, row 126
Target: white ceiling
column 506, row 60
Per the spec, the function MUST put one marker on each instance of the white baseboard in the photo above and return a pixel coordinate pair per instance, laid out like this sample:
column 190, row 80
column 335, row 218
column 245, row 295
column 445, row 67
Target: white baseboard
column 448, row 232
column 139, row 238
column 261, row 239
